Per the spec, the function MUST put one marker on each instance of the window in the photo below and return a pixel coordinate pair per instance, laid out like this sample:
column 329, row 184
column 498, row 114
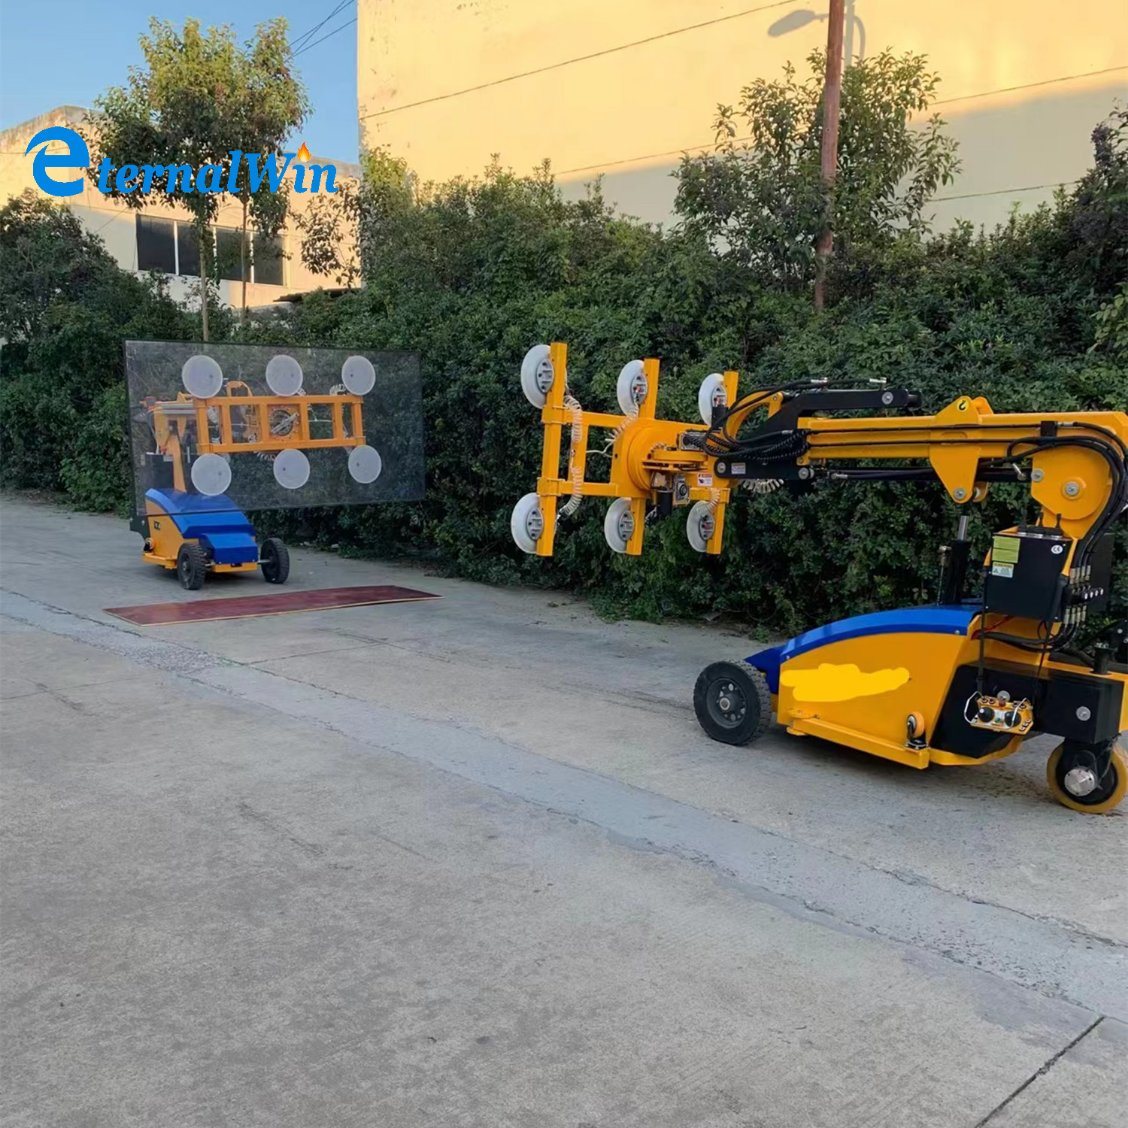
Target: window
column 187, row 250
column 156, row 244
column 268, row 260
column 228, row 261
column 171, row 246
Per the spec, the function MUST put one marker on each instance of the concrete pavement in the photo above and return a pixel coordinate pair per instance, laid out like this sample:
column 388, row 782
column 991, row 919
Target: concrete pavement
column 472, row 862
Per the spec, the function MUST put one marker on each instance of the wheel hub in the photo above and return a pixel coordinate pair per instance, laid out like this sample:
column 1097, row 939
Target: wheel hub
column 729, row 705
column 1080, row 782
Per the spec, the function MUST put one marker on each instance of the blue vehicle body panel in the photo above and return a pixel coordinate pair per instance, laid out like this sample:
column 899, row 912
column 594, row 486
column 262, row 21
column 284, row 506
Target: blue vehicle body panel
column 935, row 619
column 767, row 661
column 214, row 521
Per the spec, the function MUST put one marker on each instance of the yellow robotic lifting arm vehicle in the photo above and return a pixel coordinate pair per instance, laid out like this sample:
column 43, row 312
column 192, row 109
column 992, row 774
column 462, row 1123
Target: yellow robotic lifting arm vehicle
column 960, row 682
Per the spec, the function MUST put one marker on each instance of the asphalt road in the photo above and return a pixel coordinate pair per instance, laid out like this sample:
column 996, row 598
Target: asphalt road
column 472, row 862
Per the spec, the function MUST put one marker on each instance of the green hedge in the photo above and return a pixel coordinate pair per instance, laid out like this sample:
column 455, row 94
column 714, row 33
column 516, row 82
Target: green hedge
column 469, row 276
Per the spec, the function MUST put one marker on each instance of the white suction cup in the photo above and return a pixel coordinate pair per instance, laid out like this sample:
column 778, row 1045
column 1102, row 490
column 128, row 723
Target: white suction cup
column 632, row 387
column 358, row 375
column 701, row 526
column 537, row 375
column 365, row 463
column 711, row 394
column 202, row 377
column 619, row 524
column 211, row 475
column 284, row 375
column 291, row 469
column 527, row 522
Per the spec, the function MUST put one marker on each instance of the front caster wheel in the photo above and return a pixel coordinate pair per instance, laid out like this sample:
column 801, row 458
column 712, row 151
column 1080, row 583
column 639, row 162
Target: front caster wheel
column 1073, row 780
column 274, row 560
column 191, row 566
column 732, row 702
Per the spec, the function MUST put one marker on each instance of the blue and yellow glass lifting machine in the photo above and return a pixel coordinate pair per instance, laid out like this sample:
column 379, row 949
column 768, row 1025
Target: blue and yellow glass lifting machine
column 189, row 524
column 963, row 681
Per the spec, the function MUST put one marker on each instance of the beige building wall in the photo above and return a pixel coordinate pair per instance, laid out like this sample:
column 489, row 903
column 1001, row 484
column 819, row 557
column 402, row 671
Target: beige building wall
column 116, row 224
column 622, row 89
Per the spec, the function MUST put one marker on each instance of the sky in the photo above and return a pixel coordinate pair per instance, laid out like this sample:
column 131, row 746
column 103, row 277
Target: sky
column 66, row 52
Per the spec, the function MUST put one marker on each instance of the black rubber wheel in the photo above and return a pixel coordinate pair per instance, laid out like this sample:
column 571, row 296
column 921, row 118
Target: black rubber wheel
column 191, row 566
column 732, row 702
column 274, row 560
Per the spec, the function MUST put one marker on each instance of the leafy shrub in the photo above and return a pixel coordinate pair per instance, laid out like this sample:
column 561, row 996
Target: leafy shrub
column 471, row 272
column 66, row 310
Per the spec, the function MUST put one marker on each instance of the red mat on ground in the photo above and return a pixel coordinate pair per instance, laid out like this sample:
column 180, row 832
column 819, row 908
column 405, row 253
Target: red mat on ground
column 244, row 606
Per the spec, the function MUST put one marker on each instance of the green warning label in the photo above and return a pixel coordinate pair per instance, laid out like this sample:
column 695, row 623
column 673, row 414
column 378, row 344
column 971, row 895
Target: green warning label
column 1004, row 550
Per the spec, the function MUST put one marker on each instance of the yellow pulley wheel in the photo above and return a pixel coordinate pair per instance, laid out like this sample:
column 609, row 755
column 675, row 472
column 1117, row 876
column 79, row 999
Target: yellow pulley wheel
column 1075, row 786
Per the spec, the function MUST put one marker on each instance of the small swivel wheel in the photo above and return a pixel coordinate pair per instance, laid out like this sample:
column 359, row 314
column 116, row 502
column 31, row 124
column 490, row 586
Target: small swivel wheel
column 732, row 702
column 274, row 560
column 191, row 566
column 1075, row 778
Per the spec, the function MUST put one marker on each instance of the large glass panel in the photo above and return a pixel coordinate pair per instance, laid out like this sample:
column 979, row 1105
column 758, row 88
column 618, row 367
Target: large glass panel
column 259, row 427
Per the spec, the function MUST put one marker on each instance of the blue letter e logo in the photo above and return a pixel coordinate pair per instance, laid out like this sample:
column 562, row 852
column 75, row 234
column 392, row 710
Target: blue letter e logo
column 76, row 156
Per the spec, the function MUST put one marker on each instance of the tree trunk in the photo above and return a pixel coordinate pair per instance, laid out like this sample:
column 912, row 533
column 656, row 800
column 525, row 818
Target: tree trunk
column 243, row 265
column 204, row 301
column 832, row 102
column 201, row 234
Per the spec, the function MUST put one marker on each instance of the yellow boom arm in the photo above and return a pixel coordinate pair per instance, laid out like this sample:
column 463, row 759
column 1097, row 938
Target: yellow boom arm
column 1074, row 462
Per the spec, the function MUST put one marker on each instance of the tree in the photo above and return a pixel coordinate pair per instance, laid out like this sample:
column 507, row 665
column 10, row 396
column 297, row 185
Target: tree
column 199, row 97
column 329, row 229
column 339, row 230
column 759, row 199
column 46, row 256
column 65, row 309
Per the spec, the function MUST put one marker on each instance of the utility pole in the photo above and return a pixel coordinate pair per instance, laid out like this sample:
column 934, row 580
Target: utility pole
column 832, row 103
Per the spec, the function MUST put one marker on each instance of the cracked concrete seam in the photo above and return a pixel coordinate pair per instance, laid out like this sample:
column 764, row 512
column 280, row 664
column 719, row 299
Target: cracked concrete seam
column 1041, row 1071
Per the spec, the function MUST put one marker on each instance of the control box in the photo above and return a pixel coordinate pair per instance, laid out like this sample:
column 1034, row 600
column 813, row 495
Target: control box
column 1026, row 576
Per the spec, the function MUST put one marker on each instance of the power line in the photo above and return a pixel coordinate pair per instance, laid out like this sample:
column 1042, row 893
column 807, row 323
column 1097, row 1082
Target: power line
column 327, row 35
column 305, row 36
column 580, row 58
column 1003, row 191
column 946, row 101
column 645, row 157
column 1029, row 85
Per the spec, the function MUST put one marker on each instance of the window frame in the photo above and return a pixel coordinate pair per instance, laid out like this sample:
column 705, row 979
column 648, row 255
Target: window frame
column 213, row 231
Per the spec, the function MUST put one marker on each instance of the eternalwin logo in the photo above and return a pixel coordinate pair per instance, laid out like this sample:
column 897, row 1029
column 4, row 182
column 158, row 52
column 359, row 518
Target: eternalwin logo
column 172, row 178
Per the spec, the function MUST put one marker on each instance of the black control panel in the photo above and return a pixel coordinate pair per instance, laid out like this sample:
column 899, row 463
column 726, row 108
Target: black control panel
column 1026, row 575
column 1026, row 578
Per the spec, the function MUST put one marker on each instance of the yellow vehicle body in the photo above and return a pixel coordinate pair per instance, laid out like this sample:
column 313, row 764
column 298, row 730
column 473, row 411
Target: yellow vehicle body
column 869, row 714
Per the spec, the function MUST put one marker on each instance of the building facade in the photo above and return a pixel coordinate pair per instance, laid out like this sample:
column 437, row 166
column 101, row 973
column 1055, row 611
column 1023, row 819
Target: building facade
column 160, row 237
column 622, row 90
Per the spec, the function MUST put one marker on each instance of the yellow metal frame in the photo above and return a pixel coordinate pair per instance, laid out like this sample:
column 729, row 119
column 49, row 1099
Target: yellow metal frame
column 645, row 457
column 218, row 415
column 259, row 409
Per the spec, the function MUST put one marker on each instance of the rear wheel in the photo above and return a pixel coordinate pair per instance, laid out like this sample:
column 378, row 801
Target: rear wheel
column 732, row 702
column 191, row 566
column 274, row 560
column 1072, row 775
